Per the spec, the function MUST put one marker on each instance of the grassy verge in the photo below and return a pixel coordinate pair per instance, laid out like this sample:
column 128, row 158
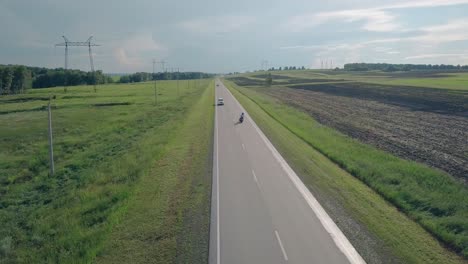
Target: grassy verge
column 306, row 145
column 104, row 142
column 168, row 218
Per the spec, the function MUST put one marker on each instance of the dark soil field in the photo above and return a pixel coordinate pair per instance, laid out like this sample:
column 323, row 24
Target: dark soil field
column 274, row 76
column 244, row 81
column 425, row 125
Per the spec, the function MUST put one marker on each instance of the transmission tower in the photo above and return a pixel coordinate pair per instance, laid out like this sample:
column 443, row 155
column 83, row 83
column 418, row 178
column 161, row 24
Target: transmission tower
column 162, row 62
column 86, row 43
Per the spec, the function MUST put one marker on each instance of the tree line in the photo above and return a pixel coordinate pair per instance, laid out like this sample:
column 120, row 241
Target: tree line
column 286, row 68
column 15, row 79
column 145, row 76
column 401, row 67
column 61, row 77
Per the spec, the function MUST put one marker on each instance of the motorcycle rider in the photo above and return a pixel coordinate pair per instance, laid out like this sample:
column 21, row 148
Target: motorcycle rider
column 241, row 118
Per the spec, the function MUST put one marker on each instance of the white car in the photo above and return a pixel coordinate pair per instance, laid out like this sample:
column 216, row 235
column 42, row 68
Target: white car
column 220, row 101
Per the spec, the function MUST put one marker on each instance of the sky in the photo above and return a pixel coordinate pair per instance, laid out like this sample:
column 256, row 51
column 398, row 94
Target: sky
column 221, row 36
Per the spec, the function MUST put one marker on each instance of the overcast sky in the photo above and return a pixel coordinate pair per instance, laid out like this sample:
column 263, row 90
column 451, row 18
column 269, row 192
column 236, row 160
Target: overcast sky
column 233, row 35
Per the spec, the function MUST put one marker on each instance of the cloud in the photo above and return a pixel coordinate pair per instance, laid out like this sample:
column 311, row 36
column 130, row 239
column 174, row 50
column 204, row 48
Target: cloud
column 436, row 55
column 22, row 34
column 428, row 39
column 377, row 19
column 424, row 3
column 134, row 51
column 342, row 46
column 374, row 20
column 123, row 59
column 301, row 47
column 454, row 30
column 218, row 25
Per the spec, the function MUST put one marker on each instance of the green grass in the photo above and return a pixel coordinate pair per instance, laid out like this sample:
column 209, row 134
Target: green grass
column 104, row 144
column 455, row 81
column 431, row 198
column 167, row 219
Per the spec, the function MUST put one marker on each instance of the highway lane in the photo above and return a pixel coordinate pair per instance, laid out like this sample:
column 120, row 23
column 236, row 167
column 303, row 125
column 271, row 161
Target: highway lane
column 261, row 212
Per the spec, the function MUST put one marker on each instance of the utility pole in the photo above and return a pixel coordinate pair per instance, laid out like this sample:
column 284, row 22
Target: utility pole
column 321, row 65
column 66, row 61
column 178, row 72
column 88, row 44
column 51, row 145
column 155, row 87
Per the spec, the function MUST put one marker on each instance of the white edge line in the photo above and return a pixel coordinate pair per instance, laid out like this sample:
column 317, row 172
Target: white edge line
column 338, row 237
column 281, row 246
column 256, row 181
column 218, row 248
column 255, row 176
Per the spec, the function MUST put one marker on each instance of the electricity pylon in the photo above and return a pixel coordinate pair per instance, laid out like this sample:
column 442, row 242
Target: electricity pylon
column 86, row 43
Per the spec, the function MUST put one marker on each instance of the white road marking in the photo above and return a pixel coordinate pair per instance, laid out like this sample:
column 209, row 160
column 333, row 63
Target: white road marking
column 255, row 176
column 218, row 255
column 338, row 237
column 243, row 146
column 281, row 245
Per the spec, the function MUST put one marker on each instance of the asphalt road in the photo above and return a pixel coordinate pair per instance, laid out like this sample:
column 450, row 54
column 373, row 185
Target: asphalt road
column 261, row 211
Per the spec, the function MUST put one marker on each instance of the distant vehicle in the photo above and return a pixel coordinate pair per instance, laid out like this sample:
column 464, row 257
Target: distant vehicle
column 217, row 84
column 220, row 101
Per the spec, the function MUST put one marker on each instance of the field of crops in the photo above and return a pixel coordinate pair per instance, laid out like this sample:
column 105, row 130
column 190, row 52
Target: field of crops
column 111, row 148
column 425, row 125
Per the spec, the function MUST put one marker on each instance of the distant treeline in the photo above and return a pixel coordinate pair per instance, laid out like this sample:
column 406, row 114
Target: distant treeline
column 401, row 67
column 287, row 68
column 145, row 76
column 60, row 77
column 16, row 79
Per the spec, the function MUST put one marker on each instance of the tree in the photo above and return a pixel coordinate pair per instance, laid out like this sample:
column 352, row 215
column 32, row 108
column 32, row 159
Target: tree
column 7, row 79
column 124, row 79
column 1, row 81
column 21, row 80
column 280, row 69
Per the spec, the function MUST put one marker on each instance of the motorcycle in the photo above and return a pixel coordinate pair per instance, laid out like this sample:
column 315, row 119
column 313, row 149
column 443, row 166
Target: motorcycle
column 241, row 119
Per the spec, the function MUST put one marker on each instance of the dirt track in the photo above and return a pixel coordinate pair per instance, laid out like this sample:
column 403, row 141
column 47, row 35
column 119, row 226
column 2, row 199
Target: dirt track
column 426, row 126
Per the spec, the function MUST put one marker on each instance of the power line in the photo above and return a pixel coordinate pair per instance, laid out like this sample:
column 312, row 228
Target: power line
column 86, row 43
column 162, row 62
